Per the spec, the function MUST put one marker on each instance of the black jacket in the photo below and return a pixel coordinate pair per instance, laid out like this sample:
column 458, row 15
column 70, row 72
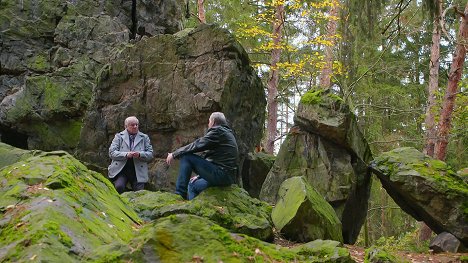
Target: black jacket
column 218, row 146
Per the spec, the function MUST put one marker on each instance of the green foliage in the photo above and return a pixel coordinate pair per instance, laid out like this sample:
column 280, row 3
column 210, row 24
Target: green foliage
column 312, row 97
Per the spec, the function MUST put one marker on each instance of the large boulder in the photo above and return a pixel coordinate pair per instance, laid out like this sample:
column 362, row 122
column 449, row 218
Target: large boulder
column 53, row 209
column 327, row 148
column 51, row 52
column 230, row 207
column 302, row 214
column 172, row 83
column 190, row 238
column 425, row 188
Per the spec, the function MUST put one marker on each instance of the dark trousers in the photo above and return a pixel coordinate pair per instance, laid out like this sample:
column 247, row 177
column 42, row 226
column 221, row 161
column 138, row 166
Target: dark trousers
column 127, row 175
column 212, row 174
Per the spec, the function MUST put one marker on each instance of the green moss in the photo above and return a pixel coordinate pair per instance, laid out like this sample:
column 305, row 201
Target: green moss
column 39, row 63
column 312, row 97
column 374, row 254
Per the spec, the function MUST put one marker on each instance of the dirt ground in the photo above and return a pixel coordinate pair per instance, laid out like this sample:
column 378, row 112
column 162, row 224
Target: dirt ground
column 357, row 253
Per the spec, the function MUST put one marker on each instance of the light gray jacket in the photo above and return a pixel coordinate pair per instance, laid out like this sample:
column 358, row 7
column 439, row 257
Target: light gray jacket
column 119, row 148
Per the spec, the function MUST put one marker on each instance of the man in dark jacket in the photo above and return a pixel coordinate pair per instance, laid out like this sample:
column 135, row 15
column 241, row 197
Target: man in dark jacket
column 217, row 166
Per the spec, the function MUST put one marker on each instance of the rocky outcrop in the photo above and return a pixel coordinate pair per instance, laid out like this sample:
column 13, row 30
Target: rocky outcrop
column 50, row 54
column 190, row 238
column 229, row 207
column 327, row 148
column 425, row 188
column 302, row 214
column 53, row 209
column 254, row 171
column 71, row 71
column 172, row 83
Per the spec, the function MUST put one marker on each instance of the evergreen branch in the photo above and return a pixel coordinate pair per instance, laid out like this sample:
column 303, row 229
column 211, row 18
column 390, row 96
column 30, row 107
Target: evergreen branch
column 400, row 10
column 386, row 108
column 397, row 140
column 377, row 61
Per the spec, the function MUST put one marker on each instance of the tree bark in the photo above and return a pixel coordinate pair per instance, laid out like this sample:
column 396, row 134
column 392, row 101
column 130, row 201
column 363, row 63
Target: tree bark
column 273, row 80
column 455, row 73
column 326, row 73
column 201, row 11
column 433, row 84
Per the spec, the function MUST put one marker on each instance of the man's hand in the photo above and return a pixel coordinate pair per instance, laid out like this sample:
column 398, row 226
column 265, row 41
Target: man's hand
column 169, row 158
column 133, row 155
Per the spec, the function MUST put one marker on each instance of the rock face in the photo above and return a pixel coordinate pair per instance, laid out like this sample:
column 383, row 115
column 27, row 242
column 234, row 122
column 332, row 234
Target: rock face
column 256, row 167
column 172, row 83
column 71, row 71
column 303, row 215
column 53, row 209
column 230, row 207
column 327, row 148
column 425, row 188
column 51, row 52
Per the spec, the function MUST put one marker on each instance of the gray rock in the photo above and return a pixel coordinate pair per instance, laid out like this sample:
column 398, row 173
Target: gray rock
column 445, row 242
column 254, row 171
column 230, row 207
column 172, row 83
column 425, row 188
column 327, row 148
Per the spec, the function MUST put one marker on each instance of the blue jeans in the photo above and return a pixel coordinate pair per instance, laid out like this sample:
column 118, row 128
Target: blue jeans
column 211, row 174
column 195, row 187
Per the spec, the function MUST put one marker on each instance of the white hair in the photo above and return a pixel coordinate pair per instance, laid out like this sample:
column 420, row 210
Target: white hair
column 131, row 119
column 218, row 118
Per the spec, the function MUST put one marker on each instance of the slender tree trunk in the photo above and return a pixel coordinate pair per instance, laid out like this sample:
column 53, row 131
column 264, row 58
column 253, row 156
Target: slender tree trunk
column 201, row 11
column 274, row 80
column 433, row 84
column 326, row 73
column 456, row 69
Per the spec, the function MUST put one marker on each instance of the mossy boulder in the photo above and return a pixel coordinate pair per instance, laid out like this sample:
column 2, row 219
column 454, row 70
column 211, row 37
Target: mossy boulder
column 190, row 238
column 53, row 209
column 10, row 154
column 379, row 255
column 303, row 215
column 172, row 83
column 328, row 149
column 255, row 169
column 426, row 188
column 230, row 207
column 51, row 53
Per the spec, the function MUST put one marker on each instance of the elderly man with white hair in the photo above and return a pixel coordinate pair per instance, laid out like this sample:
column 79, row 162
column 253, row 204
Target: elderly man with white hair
column 130, row 152
column 217, row 164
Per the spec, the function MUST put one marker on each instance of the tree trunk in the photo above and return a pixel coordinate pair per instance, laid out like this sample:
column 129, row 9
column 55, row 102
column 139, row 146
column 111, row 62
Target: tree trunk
column 326, row 73
column 433, row 84
column 455, row 73
column 274, row 80
column 201, row 11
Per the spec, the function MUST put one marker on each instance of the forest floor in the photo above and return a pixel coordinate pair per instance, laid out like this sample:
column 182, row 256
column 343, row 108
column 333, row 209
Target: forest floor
column 358, row 253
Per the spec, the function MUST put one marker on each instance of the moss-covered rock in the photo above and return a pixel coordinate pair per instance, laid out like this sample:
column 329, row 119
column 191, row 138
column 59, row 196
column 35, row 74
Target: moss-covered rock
column 53, row 209
column 328, row 149
column 301, row 213
column 10, row 154
column 254, row 171
column 379, row 255
column 230, row 207
column 426, row 188
column 188, row 238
